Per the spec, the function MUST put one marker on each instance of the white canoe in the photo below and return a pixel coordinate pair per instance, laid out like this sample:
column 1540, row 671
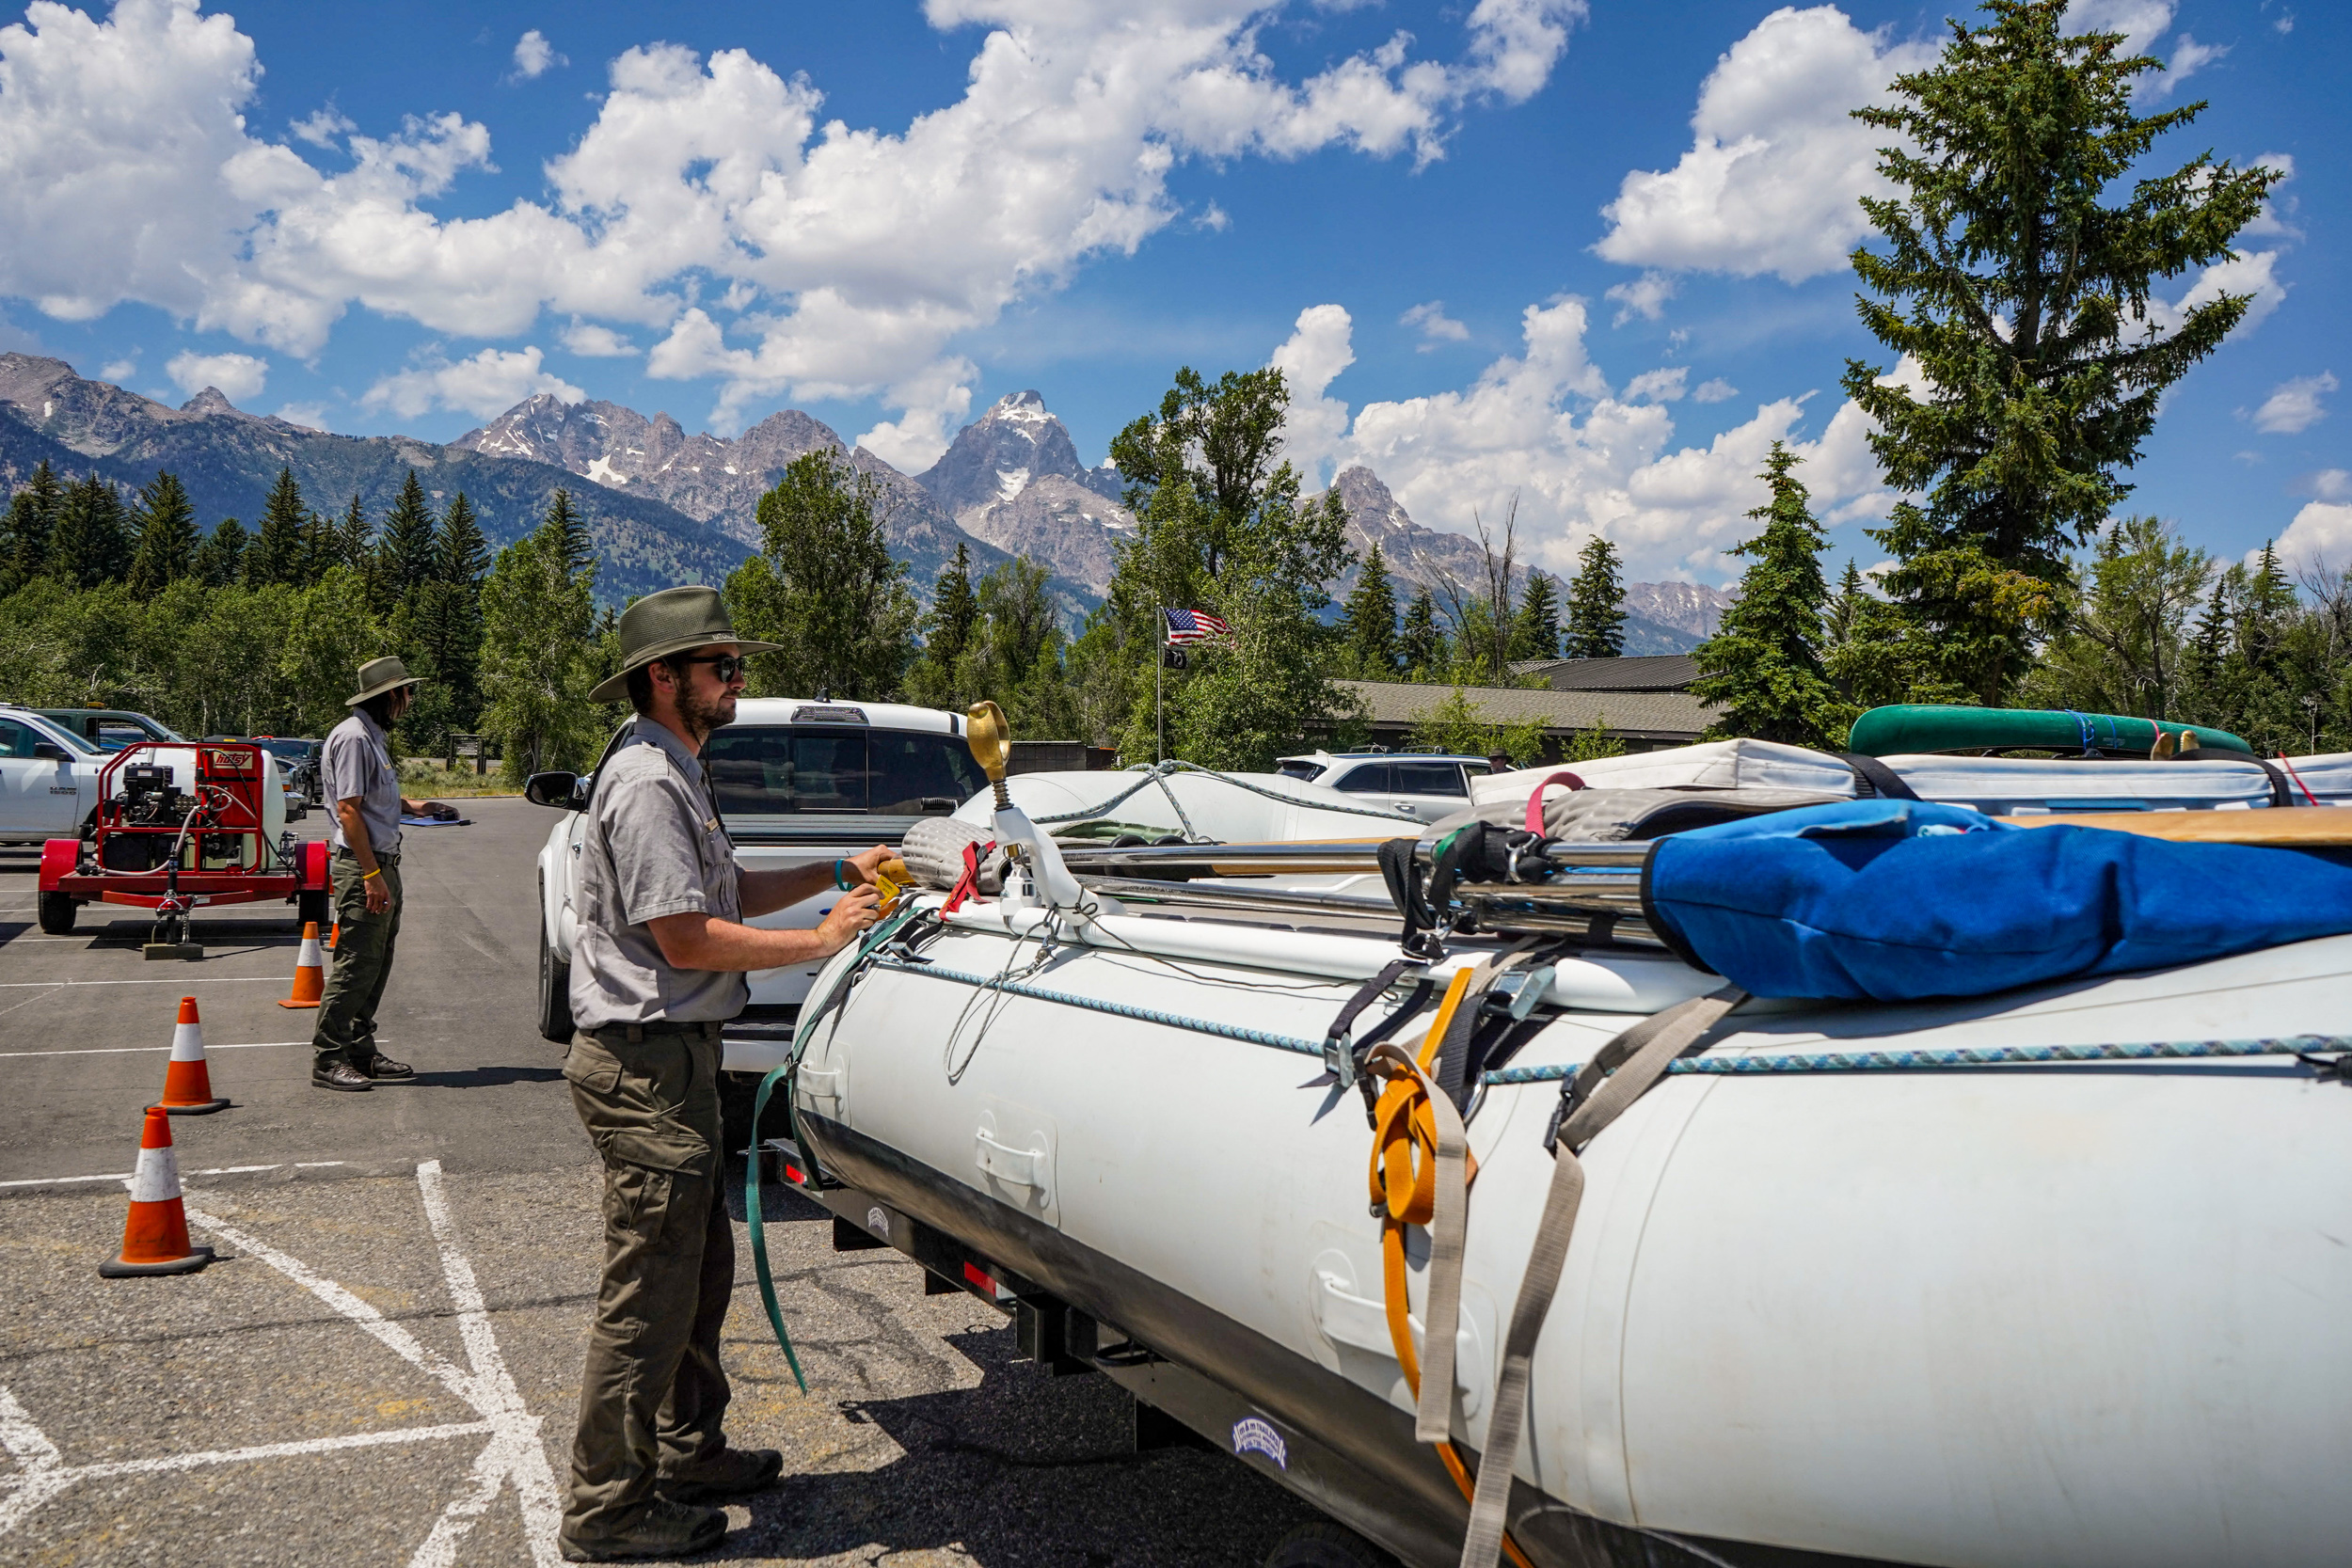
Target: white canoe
column 2085, row 1314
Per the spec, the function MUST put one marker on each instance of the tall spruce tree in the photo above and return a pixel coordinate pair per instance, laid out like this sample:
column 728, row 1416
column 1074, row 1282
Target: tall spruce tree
column 92, row 542
column 280, row 550
column 1536, row 629
column 1421, row 642
column 540, row 652
column 1763, row 667
column 1596, row 603
column 2023, row 294
column 1368, row 621
column 948, row 629
column 32, row 523
column 166, row 545
column 355, row 544
column 443, row 627
column 219, row 560
column 579, row 551
column 405, row 556
column 461, row 554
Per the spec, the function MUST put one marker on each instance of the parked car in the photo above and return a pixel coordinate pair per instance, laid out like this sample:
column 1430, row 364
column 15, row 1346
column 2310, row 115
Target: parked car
column 109, row 729
column 48, row 777
column 797, row 782
column 1429, row 785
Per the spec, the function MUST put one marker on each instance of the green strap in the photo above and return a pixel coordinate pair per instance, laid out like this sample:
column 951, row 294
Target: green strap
column 759, row 1229
column 881, row 934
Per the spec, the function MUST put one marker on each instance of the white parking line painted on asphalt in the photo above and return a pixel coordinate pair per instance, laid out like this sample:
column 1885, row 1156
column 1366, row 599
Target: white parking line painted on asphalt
column 218, row 980
column 125, row 1175
column 128, row 1050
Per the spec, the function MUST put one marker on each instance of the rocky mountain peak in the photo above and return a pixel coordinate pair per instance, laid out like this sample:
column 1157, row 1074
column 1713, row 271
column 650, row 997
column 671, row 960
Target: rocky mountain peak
column 212, row 400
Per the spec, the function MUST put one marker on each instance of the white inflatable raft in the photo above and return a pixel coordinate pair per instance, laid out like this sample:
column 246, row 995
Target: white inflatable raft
column 2078, row 1312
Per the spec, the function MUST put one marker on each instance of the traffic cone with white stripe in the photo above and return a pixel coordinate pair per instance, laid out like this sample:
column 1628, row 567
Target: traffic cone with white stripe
column 309, row 971
column 189, row 1081
column 155, row 1237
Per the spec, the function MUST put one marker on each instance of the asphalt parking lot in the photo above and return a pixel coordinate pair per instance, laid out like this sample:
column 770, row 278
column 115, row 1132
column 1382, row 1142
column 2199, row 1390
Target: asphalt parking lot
column 383, row 1365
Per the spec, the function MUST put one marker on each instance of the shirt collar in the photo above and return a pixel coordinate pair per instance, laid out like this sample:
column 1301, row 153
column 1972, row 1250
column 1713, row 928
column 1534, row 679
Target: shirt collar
column 368, row 723
column 671, row 742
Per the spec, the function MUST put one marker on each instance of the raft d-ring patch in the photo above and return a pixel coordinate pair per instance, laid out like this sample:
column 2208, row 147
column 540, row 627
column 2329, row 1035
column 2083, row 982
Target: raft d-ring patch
column 1255, row 1433
column 878, row 1222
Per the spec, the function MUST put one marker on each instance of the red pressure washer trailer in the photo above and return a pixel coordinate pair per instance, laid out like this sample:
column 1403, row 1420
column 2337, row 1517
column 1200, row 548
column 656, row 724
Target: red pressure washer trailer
column 181, row 824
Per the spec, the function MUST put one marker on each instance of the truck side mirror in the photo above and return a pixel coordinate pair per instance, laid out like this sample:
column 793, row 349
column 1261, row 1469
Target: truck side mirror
column 563, row 791
column 48, row 750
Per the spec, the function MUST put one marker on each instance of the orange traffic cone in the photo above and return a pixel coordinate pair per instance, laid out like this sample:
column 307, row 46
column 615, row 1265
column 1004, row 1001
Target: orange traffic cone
column 155, row 1238
column 309, row 971
column 334, row 936
column 187, row 1081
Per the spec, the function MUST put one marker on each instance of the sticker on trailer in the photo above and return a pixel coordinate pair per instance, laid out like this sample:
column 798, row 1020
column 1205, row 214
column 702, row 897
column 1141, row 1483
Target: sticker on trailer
column 1256, row 1435
column 878, row 1222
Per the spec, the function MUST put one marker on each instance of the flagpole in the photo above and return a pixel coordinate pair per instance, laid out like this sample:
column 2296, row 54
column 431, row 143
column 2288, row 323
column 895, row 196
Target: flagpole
column 1159, row 663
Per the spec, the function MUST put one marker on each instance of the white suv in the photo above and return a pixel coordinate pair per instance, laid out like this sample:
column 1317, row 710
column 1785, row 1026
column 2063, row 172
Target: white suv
column 1428, row 785
column 48, row 777
column 797, row 782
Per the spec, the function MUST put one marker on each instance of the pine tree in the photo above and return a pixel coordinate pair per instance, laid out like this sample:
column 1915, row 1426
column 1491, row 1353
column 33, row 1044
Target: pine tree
column 1536, row 629
column 462, row 553
column 166, row 536
column 948, row 626
column 1420, row 646
column 2024, row 299
column 580, row 551
column 92, row 542
column 219, row 560
column 280, row 550
column 1368, row 621
column 538, row 642
column 823, row 587
column 405, row 556
column 1596, row 603
column 1763, row 667
column 32, row 523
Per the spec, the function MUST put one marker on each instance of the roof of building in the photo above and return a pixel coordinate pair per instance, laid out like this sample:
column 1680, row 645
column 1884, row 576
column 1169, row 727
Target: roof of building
column 1643, row 672
column 1658, row 714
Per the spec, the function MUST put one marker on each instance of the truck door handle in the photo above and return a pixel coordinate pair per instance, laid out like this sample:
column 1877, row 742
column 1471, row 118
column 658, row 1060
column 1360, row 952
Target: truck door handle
column 1014, row 1167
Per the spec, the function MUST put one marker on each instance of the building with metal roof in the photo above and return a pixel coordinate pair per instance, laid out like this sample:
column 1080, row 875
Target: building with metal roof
column 1642, row 720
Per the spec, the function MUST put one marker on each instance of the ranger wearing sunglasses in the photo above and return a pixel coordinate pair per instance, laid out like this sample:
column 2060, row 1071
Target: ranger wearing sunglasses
column 657, row 967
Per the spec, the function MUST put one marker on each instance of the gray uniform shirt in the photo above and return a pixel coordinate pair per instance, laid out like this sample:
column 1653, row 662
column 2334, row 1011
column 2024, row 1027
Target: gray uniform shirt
column 653, row 846
column 356, row 763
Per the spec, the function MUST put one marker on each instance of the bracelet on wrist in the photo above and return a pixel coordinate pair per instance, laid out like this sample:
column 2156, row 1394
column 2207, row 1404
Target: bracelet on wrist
column 377, row 872
column 840, row 881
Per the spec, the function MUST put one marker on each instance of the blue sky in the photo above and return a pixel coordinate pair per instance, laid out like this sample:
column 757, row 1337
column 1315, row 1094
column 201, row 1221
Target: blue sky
column 1421, row 211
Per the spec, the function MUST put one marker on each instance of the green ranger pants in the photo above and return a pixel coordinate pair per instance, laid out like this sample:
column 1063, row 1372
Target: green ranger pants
column 363, row 961
column 653, row 1396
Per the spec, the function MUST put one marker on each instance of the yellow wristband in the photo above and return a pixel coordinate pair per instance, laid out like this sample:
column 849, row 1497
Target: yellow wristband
column 377, row 872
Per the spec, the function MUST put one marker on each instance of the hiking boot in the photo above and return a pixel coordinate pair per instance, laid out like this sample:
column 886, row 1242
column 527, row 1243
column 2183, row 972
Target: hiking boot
column 383, row 1069
column 728, row 1473
column 666, row 1530
column 340, row 1074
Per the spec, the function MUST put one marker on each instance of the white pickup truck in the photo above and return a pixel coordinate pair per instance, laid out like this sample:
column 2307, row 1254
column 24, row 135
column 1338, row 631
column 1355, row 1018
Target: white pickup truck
column 48, row 777
column 797, row 781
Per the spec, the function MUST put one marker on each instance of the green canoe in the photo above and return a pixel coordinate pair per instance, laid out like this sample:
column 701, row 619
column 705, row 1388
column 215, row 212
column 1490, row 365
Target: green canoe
column 1905, row 728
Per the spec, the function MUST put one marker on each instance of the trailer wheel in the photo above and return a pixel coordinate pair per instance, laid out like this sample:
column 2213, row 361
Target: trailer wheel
column 56, row 914
column 312, row 908
column 555, row 993
column 1323, row 1544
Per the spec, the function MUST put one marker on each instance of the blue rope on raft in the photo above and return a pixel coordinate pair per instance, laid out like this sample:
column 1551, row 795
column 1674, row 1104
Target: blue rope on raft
column 1728, row 1067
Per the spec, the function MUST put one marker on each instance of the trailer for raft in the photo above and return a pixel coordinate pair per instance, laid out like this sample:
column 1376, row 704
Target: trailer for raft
column 183, row 826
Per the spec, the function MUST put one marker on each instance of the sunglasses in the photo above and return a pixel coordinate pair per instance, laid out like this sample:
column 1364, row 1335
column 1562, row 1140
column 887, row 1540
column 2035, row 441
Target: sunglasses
column 725, row 666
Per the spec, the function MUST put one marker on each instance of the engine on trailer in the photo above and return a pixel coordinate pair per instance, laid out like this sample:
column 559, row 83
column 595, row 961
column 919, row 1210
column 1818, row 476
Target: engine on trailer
column 150, row 799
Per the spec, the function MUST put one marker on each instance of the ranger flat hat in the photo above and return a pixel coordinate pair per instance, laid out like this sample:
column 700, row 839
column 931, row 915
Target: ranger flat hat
column 671, row 622
column 379, row 675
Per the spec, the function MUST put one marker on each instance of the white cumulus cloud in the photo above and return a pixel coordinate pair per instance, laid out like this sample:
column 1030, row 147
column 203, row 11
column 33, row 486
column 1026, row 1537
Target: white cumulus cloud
column 239, row 376
column 779, row 253
column 592, row 341
column 1434, row 326
column 534, row 55
column 1715, row 391
column 1544, row 428
column 310, row 416
column 1777, row 165
column 2321, row 534
column 322, row 127
column 1645, row 297
column 484, row 386
column 2294, row 406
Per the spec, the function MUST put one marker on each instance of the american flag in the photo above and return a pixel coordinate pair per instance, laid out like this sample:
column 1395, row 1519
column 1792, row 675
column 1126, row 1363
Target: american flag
column 1193, row 626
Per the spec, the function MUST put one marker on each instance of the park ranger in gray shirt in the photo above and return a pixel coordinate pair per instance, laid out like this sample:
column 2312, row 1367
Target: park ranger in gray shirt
column 362, row 790
column 658, row 966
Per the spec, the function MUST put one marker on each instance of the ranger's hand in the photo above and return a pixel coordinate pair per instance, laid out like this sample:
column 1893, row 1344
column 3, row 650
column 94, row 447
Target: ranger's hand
column 379, row 896
column 856, row 911
column 870, row 861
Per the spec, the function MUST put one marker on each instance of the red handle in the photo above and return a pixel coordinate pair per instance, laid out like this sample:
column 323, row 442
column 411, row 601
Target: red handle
column 1535, row 797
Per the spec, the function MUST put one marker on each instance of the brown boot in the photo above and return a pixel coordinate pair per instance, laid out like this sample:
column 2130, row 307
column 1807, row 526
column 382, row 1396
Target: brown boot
column 728, row 1473
column 665, row 1530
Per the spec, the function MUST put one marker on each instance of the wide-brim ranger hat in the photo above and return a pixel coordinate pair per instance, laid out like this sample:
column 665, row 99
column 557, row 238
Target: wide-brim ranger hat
column 671, row 622
column 379, row 675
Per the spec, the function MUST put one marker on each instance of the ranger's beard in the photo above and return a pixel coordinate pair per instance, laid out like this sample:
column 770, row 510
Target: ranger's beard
column 704, row 713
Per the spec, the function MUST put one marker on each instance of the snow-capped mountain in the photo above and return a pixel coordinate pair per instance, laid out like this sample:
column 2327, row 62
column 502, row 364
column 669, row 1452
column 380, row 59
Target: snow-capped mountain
column 1013, row 478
